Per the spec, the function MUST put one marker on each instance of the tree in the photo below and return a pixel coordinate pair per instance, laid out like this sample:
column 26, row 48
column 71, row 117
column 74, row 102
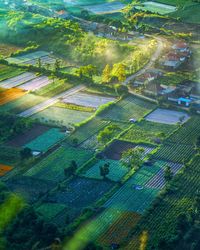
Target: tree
column 132, row 158
column 57, row 65
column 71, row 169
column 39, row 63
column 25, row 153
column 121, row 89
column 104, row 170
column 119, row 71
column 107, row 133
column 168, row 175
column 106, row 74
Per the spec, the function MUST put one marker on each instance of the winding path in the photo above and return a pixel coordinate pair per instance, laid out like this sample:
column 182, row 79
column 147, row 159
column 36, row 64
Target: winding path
column 154, row 57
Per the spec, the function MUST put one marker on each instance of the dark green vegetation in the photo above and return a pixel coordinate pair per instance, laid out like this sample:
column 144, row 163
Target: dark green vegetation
column 84, row 171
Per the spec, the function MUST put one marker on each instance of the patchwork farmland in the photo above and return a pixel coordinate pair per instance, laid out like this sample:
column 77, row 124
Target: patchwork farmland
column 99, row 125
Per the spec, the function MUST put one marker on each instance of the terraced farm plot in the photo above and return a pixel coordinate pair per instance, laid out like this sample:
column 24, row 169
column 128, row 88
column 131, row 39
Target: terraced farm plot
column 28, row 136
column 94, row 143
column 9, row 156
column 27, row 57
column 50, row 210
column 117, row 170
column 35, row 84
column 105, row 7
column 170, row 207
column 52, row 167
column 88, row 100
column 10, row 95
column 119, row 229
column 154, row 7
column 117, row 147
column 178, row 153
column 167, row 116
column 88, row 130
column 7, row 49
column 128, row 108
column 158, row 180
column 45, row 141
column 17, row 80
column 23, row 103
column 80, row 193
column 188, row 133
column 127, row 198
column 29, row 188
column 7, row 72
column 61, row 116
column 4, row 169
column 148, row 131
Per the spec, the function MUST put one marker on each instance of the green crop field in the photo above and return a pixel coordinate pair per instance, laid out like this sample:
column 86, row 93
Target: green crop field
column 25, row 102
column 188, row 133
column 46, row 140
column 170, row 207
column 146, row 131
column 9, row 155
column 50, row 210
column 130, row 107
column 52, row 167
column 175, row 152
column 117, row 170
column 61, row 116
column 7, row 72
column 87, row 130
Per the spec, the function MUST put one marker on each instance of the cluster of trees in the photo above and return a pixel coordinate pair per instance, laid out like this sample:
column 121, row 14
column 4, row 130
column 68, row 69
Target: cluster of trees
column 132, row 158
column 29, row 230
column 11, row 125
column 107, row 133
column 118, row 71
column 187, row 230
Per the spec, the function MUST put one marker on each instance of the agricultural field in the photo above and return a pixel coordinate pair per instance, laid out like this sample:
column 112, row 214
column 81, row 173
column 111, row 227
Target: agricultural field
column 45, row 141
column 179, row 153
column 154, row 7
column 146, row 131
column 10, row 95
column 93, row 142
column 128, row 108
column 119, row 229
column 88, row 100
column 79, row 193
column 7, row 49
column 9, row 156
column 61, row 116
column 117, row 147
column 86, row 131
column 116, row 173
column 17, row 80
column 167, row 116
column 105, row 8
column 168, row 209
column 188, row 132
column 52, row 167
column 50, row 210
column 23, row 103
column 36, row 83
column 7, row 72
column 27, row 136
column 29, row 188
column 4, row 169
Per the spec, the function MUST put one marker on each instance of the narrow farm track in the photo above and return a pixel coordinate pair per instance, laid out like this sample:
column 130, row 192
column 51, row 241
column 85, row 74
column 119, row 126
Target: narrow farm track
column 151, row 62
column 51, row 101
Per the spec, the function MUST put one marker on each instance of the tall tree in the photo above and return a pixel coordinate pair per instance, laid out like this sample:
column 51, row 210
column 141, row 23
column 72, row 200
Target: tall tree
column 106, row 74
column 132, row 158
